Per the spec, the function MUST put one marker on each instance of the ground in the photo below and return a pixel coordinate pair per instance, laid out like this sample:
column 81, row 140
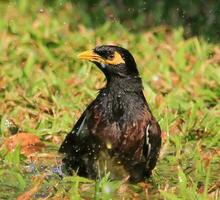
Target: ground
column 44, row 88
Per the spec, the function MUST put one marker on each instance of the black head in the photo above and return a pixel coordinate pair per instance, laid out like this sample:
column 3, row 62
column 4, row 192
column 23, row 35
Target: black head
column 112, row 60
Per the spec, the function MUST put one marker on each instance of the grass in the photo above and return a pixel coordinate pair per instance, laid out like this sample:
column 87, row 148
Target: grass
column 44, row 88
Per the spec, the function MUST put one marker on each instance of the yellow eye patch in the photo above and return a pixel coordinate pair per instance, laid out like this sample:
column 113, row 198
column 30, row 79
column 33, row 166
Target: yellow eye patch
column 117, row 59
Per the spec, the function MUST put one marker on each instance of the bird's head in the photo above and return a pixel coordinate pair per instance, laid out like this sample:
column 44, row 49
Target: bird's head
column 112, row 60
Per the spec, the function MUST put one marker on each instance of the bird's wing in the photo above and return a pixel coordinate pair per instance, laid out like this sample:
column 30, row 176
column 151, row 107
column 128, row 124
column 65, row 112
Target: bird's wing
column 76, row 135
column 152, row 143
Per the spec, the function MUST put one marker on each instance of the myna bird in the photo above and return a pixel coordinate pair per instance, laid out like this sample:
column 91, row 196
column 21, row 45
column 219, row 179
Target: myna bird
column 117, row 132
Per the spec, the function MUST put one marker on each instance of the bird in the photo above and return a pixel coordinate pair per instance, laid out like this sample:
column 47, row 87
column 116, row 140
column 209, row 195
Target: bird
column 117, row 133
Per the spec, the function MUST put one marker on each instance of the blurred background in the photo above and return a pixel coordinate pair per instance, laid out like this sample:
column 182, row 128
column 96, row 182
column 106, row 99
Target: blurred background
column 44, row 89
column 198, row 17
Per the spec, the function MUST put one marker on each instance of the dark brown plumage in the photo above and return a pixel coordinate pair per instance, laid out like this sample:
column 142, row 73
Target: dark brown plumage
column 117, row 132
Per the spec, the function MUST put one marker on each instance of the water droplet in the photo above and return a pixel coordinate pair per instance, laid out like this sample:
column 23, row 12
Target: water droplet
column 107, row 189
column 155, row 78
column 103, row 65
column 109, row 145
column 41, row 10
column 7, row 123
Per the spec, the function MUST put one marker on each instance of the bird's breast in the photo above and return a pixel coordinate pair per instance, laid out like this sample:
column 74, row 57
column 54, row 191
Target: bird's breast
column 118, row 124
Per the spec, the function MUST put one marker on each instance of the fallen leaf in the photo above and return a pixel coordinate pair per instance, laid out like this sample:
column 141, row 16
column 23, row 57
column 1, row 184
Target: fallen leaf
column 29, row 143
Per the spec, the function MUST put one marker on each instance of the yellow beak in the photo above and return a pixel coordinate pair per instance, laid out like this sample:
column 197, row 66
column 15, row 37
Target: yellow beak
column 91, row 56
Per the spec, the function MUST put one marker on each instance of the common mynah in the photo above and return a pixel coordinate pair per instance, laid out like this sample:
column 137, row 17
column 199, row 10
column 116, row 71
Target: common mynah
column 117, row 132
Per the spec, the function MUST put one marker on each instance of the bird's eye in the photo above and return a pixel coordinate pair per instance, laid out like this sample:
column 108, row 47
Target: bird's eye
column 111, row 56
